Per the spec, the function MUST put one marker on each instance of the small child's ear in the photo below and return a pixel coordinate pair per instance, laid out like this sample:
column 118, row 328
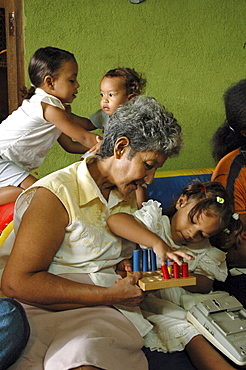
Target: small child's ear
column 182, row 201
column 48, row 81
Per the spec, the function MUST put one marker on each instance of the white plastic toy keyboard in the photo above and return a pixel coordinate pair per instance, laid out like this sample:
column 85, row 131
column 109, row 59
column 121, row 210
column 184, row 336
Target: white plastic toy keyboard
column 222, row 321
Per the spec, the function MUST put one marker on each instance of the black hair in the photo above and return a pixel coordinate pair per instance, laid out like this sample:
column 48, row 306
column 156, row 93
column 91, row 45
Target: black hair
column 45, row 62
column 147, row 125
column 134, row 82
column 212, row 199
column 228, row 136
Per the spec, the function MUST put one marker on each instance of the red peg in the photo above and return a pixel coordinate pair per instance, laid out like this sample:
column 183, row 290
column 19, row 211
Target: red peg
column 185, row 272
column 165, row 272
column 176, row 271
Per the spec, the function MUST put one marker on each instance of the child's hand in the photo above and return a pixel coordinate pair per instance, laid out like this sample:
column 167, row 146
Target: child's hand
column 163, row 250
column 178, row 255
column 96, row 147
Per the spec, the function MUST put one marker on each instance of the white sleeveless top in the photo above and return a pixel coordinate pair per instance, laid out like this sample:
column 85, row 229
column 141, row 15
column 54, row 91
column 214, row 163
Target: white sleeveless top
column 25, row 136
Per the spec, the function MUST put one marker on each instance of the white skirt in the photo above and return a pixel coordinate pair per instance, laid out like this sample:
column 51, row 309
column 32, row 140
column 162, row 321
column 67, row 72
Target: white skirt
column 11, row 174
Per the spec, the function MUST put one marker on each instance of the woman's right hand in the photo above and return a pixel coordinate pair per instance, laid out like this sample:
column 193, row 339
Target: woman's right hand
column 126, row 291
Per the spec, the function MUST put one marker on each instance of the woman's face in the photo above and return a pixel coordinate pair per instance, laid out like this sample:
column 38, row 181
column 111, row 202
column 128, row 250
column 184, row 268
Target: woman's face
column 185, row 231
column 128, row 174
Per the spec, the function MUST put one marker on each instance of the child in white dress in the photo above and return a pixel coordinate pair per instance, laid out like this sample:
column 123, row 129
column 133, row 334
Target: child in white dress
column 203, row 210
column 29, row 133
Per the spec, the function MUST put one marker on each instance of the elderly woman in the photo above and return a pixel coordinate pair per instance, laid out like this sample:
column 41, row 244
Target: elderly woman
column 66, row 266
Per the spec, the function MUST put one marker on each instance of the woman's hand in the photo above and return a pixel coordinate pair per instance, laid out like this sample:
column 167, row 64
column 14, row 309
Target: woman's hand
column 126, row 291
column 123, row 267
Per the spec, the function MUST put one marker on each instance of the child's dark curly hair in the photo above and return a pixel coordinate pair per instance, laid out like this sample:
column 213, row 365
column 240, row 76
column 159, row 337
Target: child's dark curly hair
column 212, row 199
column 134, row 82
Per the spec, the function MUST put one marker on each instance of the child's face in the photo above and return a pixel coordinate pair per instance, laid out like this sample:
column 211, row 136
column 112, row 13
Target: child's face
column 113, row 93
column 184, row 231
column 65, row 85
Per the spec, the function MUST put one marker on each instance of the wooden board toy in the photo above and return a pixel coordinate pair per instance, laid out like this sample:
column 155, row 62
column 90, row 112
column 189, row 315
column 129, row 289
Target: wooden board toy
column 170, row 275
column 153, row 280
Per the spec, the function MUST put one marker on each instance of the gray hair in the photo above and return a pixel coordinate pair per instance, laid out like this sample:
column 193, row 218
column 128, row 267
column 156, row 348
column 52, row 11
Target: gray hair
column 147, row 125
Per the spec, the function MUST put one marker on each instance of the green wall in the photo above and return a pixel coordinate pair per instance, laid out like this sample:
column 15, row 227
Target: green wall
column 190, row 51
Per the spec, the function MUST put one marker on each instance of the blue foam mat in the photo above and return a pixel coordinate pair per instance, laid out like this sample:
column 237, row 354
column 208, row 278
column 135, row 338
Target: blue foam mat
column 167, row 189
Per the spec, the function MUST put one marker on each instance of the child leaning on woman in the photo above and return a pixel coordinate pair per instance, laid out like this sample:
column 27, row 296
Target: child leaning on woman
column 202, row 211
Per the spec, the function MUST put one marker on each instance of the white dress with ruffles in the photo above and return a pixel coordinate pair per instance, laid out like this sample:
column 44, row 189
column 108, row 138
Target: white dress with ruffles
column 162, row 308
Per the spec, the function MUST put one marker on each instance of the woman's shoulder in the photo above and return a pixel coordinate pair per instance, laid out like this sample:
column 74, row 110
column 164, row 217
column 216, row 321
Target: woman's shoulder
column 59, row 177
column 61, row 183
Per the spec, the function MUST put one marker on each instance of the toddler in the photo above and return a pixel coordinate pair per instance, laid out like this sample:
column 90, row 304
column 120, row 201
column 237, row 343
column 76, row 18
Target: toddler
column 29, row 133
column 203, row 210
column 118, row 86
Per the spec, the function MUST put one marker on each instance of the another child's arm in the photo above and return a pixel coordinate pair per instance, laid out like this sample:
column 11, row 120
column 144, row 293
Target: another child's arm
column 83, row 122
column 71, row 146
column 61, row 120
column 126, row 226
column 74, row 147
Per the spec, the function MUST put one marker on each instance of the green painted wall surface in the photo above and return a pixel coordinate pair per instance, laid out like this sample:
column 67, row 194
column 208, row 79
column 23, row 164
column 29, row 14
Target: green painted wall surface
column 190, row 51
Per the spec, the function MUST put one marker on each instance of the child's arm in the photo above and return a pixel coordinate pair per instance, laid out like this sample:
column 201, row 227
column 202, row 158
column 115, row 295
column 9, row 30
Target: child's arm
column 71, row 146
column 126, row 226
column 61, row 120
column 74, row 147
column 82, row 121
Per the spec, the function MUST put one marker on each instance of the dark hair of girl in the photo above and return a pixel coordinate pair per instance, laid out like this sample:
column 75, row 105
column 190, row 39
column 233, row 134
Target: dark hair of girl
column 212, row 199
column 45, row 62
column 134, row 82
column 228, row 136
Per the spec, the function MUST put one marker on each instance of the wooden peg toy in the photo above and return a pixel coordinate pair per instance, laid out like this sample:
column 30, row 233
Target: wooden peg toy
column 170, row 275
